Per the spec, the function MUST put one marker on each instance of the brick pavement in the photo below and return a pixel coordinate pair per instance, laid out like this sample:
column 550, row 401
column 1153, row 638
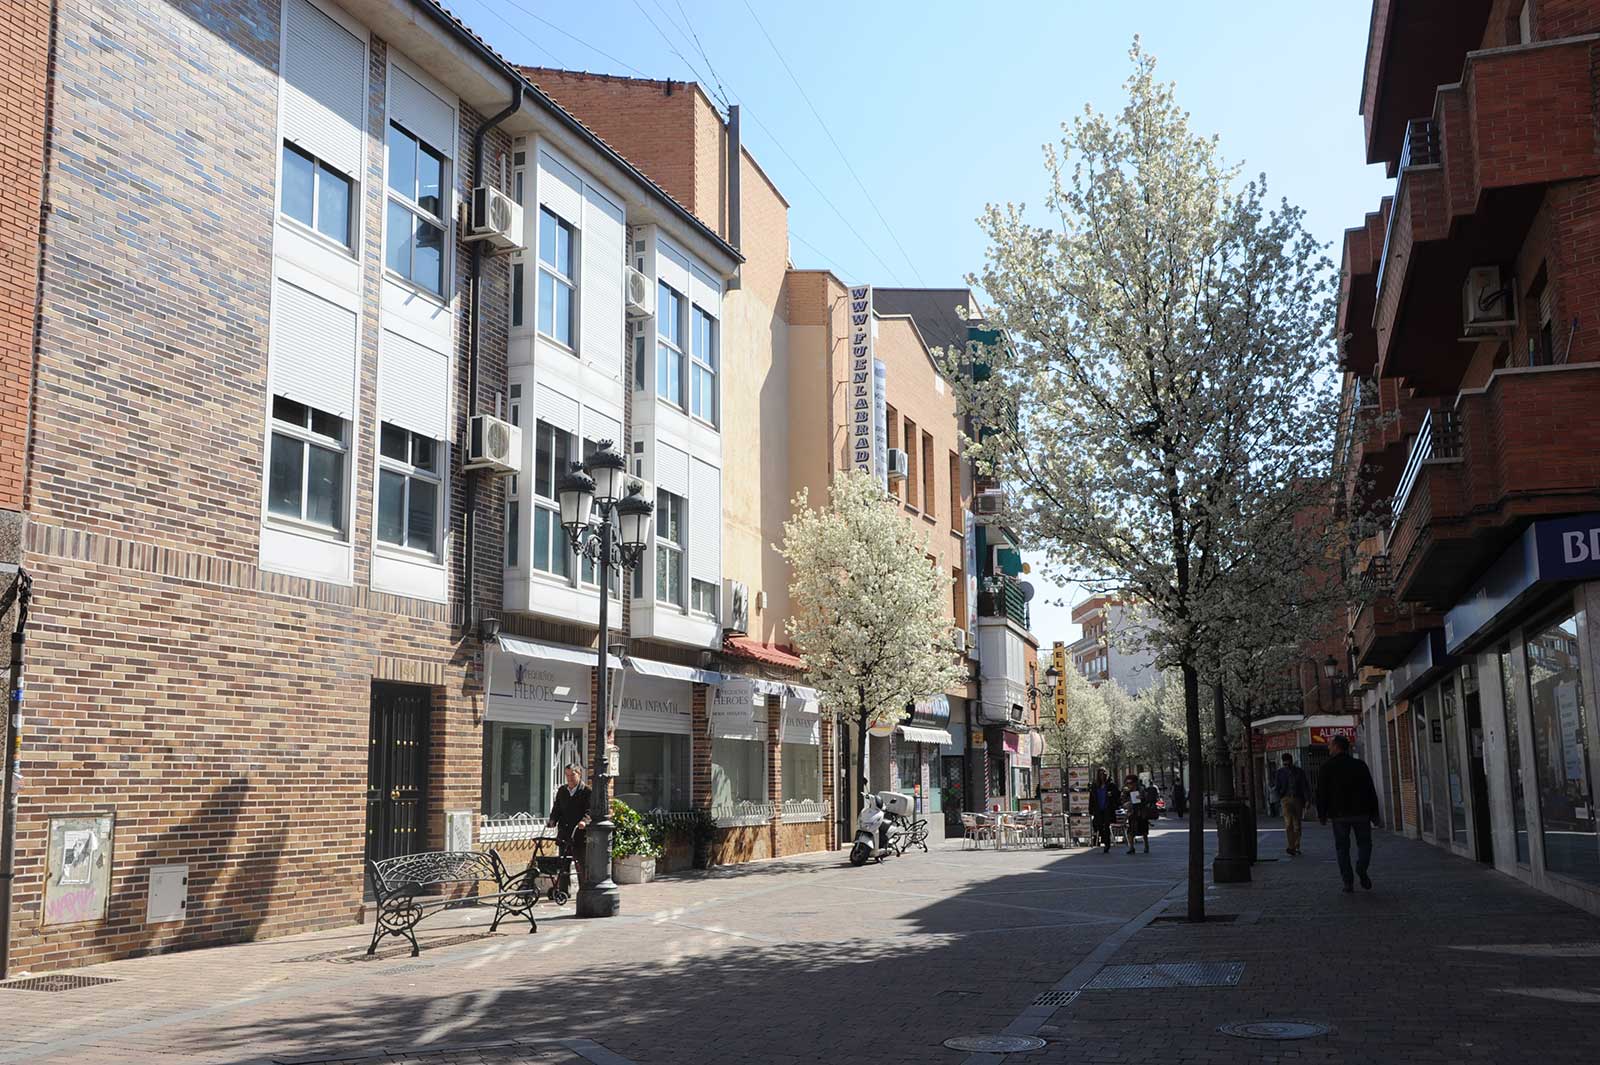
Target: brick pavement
column 769, row 963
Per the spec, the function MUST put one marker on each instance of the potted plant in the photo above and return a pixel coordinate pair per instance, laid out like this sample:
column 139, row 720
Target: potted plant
column 703, row 833
column 634, row 847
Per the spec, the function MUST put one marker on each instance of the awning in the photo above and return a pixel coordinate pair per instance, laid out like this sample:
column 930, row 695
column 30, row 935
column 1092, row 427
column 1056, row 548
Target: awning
column 915, row 734
column 673, row 672
column 804, row 694
column 552, row 652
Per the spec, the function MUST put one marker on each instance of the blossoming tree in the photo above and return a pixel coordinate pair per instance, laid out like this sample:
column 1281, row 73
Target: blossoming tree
column 869, row 615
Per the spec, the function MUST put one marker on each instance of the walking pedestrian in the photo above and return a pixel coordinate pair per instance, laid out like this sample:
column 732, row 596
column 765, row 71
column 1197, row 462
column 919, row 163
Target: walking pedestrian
column 1346, row 796
column 1140, row 805
column 1180, row 800
column 1294, row 791
column 1102, row 808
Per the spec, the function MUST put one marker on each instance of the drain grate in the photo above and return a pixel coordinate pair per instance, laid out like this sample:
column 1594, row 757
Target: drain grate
column 995, row 1044
column 1275, row 1030
column 1177, row 974
column 1055, row 998
column 58, row 982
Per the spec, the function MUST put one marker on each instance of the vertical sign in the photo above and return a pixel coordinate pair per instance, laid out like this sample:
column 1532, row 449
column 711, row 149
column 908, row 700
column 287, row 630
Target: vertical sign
column 1058, row 657
column 863, row 381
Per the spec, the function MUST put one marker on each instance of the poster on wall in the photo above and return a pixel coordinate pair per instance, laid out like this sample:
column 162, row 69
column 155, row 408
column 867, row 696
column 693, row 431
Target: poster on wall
column 78, row 871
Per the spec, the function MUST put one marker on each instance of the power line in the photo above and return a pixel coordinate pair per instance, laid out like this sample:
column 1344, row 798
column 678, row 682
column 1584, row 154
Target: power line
column 519, row 31
column 673, row 47
column 703, row 55
column 544, row 21
column 829, row 133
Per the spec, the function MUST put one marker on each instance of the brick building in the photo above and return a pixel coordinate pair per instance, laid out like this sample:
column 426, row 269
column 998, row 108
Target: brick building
column 1472, row 375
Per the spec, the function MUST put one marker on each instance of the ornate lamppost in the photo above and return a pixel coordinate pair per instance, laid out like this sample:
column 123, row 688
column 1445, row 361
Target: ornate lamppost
column 609, row 528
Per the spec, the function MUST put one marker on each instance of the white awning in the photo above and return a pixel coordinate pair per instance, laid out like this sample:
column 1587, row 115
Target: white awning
column 804, row 694
column 551, row 652
column 916, row 734
column 673, row 672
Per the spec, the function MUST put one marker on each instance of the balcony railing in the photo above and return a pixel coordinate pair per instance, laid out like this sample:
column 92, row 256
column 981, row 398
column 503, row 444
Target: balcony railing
column 1438, row 437
column 1421, row 148
column 1002, row 597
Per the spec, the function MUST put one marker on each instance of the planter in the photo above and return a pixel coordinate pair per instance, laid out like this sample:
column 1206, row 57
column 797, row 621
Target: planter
column 634, row 869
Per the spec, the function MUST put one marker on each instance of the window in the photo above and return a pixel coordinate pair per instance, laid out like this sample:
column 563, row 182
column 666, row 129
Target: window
column 1519, row 800
column 908, row 765
column 1525, row 22
column 513, row 496
column 703, row 370
column 516, row 770
column 928, row 496
column 957, row 522
column 408, row 489
column 552, row 458
column 669, row 547
column 1454, row 774
column 305, row 475
column 802, row 772
column 911, row 462
column 316, row 195
column 891, row 419
column 518, row 292
column 738, row 772
column 1424, row 756
column 1561, row 748
column 416, row 211
column 703, row 598
column 669, row 346
column 958, row 597
column 652, row 770
column 556, row 293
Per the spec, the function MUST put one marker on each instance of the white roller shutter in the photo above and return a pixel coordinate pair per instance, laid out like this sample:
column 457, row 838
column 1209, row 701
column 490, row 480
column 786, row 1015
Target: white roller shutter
column 421, row 111
column 558, row 410
column 705, row 291
column 672, row 470
column 600, row 290
column 705, row 522
column 414, row 387
column 560, row 190
column 313, row 351
column 597, row 427
column 324, row 87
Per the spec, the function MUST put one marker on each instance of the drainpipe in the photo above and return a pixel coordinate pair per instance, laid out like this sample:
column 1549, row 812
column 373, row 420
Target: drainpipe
column 474, row 343
column 21, row 592
column 735, row 154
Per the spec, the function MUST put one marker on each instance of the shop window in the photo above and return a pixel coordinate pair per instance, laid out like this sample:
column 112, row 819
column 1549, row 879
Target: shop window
column 516, row 771
column 1454, row 772
column 1561, row 748
column 738, row 772
column 653, row 770
column 1424, row 755
column 908, row 764
column 802, row 772
column 1519, row 799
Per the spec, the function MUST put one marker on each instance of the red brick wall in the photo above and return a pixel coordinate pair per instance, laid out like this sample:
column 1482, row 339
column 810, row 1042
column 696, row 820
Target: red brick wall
column 24, row 51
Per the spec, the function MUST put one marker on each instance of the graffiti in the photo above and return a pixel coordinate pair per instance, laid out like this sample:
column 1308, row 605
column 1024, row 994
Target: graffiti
column 72, row 905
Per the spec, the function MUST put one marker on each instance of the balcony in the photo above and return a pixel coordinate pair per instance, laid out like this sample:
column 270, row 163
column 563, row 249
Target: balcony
column 1518, row 449
column 1002, row 597
column 1358, row 273
column 1471, row 180
column 1383, row 630
column 1385, row 421
column 1414, row 47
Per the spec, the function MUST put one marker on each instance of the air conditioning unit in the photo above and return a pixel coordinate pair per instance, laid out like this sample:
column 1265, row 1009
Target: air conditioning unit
column 496, row 218
column 638, row 294
column 988, row 505
column 494, row 445
column 1488, row 303
column 735, row 607
column 958, row 637
column 899, row 464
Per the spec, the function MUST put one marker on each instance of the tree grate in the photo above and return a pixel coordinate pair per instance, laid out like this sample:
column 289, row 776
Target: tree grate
column 1055, row 998
column 1178, row 974
column 57, row 982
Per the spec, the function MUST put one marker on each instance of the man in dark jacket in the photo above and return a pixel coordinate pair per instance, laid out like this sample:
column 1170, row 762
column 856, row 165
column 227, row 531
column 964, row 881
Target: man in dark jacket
column 1293, row 792
column 1346, row 796
column 1103, row 802
column 569, row 813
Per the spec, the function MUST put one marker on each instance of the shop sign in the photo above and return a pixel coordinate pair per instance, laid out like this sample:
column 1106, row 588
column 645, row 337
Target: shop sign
column 1012, row 742
column 865, row 397
column 1548, row 552
column 935, row 712
column 1321, row 737
column 536, row 690
column 651, row 704
column 733, row 708
column 1281, row 741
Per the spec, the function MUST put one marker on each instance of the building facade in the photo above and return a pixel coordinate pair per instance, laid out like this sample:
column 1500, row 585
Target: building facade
column 1102, row 654
column 1470, row 383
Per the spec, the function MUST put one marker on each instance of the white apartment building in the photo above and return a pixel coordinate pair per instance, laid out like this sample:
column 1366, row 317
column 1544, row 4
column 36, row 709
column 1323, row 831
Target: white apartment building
column 1102, row 652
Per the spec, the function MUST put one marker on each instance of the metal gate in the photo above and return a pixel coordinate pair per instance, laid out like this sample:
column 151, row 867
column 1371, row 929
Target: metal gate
column 397, row 770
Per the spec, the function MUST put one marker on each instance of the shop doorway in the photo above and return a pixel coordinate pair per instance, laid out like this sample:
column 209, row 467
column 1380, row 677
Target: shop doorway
column 1477, row 776
column 397, row 770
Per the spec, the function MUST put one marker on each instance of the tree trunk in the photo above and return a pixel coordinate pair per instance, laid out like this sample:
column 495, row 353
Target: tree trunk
column 861, row 736
column 1197, row 824
column 1250, row 760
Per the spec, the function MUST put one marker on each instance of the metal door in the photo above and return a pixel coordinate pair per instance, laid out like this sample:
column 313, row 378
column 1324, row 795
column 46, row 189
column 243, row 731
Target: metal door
column 397, row 770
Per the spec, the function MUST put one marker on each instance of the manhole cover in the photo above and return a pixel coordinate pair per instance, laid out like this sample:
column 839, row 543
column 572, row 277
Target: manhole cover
column 1275, row 1030
column 995, row 1044
column 1177, row 974
column 58, row 982
column 1055, row 998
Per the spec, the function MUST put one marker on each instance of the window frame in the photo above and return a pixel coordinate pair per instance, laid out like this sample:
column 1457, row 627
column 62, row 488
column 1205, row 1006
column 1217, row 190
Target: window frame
column 558, row 280
column 307, row 438
column 668, row 504
column 674, row 345
column 708, row 365
column 513, row 512
column 409, row 203
column 695, row 583
column 409, row 471
column 312, row 229
column 542, row 505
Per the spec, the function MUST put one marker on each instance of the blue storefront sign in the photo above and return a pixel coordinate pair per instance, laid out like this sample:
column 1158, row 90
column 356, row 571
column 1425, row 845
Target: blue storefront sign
column 1548, row 552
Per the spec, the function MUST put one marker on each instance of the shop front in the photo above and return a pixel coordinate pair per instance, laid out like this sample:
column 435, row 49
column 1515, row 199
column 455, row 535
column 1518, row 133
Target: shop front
column 654, row 738
column 804, row 813
column 917, row 743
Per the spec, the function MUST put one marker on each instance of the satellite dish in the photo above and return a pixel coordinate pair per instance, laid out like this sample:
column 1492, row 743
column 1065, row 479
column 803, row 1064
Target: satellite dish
column 1027, row 591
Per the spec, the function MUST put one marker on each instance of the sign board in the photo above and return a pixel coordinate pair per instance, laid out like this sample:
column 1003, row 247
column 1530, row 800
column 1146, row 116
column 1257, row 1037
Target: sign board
column 1050, row 777
column 78, row 869
column 1051, row 802
column 1321, row 737
column 1078, row 802
column 1548, row 552
column 863, row 383
column 733, row 710
column 1082, row 827
column 934, row 712
column 1282, row 741
column 1080, row 777
column 1058, row 658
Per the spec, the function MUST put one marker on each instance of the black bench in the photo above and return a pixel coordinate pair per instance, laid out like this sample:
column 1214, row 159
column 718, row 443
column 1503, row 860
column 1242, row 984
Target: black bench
column 400, row 886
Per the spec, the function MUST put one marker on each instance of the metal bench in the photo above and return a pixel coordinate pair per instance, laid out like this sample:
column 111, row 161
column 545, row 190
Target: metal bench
column 401, row 887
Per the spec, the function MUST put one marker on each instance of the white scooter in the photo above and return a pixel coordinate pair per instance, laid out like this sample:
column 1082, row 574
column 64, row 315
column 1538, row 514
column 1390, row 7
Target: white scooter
column 882, row 820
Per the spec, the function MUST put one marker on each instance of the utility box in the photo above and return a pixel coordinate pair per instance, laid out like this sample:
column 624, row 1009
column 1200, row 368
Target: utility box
column 168, row 899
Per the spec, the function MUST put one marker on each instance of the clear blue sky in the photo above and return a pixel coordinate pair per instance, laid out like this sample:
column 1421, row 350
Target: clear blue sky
column 942, row 107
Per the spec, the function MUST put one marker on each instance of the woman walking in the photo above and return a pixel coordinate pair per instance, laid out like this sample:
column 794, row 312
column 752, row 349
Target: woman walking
column 1102, row 808
column 1135, row 798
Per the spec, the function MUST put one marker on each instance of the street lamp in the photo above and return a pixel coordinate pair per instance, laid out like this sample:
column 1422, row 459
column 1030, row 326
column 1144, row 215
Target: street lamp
column 609, row 529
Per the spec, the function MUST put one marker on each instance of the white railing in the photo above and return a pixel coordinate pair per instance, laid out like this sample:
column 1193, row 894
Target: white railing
column 515, row 827
column 733, row 815
column 799, row 811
